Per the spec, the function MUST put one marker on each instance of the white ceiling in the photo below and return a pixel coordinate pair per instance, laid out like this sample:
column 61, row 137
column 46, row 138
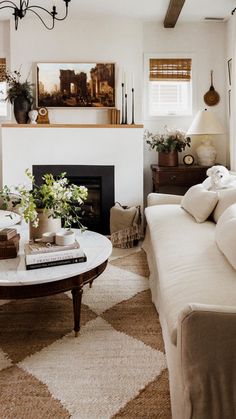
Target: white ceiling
column 155, row 10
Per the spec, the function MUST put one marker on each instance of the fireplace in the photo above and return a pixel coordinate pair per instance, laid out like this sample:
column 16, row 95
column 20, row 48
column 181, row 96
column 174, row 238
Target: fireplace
column 100, row 183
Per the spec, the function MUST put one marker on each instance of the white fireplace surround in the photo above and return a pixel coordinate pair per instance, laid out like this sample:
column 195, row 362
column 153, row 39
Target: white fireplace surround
column 25, row 146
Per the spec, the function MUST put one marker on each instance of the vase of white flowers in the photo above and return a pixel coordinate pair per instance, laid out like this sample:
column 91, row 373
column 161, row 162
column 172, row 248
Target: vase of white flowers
column 168, row 145
column 45, row 206
column 46, row 224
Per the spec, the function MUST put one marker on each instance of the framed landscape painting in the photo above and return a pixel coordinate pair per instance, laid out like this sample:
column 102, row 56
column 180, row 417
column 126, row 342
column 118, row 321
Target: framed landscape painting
column 70, row 85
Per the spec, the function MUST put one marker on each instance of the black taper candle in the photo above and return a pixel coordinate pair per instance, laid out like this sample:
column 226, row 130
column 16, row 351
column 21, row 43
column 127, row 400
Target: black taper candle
column 132, row 106
column 122, row 103
column 126, row 108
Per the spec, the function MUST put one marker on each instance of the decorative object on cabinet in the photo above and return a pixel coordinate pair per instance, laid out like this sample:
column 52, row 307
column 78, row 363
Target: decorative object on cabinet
column 114, row 116
column 206, row 124
column 132, row 107
column 73, row 85
column 33, row 115
column 188, row 159
column 168, row 145
column 211, row 98
column 20, row 95
column 21, row 11
column 123, row 102
column 176, row 180
column 43, row 117
column 170, row 158
column 127, row 104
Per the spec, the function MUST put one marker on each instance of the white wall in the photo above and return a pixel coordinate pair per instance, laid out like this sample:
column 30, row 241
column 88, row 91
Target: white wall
column 5, row 39
column 206, row 42
column 119, row 147
column 125, row 41
column 104, row 40
column 231, row 54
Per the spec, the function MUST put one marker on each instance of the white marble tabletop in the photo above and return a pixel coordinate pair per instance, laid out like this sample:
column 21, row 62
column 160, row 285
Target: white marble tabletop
column 13, row 271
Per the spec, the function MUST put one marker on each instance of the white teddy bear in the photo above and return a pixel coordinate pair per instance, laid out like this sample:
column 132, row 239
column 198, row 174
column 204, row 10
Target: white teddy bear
column 219, row 178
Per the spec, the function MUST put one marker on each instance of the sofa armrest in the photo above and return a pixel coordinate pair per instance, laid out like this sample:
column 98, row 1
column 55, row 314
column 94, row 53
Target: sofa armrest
column 162, row 199
column 206, row 348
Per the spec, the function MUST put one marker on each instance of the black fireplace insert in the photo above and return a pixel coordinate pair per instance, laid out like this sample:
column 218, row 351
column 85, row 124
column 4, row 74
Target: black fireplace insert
column 100, row 183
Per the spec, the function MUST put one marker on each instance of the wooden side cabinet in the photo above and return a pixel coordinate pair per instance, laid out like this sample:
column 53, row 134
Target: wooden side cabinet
column 176, row 180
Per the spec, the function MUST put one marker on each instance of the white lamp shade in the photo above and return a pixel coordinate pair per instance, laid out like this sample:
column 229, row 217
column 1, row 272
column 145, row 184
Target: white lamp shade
column 204, row 123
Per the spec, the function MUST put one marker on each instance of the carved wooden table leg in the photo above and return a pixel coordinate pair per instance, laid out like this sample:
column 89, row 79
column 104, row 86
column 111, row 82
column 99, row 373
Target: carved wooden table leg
column 77, row 297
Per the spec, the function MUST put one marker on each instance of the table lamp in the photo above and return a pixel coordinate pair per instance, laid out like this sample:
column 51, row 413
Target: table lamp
column 205, row 123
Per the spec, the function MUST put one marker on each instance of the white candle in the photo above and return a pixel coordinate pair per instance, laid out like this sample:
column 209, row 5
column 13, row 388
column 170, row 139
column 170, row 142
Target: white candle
column 65, row 237
column 123, row 76
column 132, row 80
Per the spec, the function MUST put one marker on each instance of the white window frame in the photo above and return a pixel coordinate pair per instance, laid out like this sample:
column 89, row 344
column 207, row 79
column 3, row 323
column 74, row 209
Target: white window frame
column 147, row 58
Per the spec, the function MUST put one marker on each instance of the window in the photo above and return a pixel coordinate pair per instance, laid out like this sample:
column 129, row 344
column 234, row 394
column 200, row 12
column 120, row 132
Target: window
column 169, row 87
column 3, row 88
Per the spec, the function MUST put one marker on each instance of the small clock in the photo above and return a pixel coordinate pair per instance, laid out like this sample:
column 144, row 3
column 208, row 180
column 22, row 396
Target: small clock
column 188, row 159
column 43, row 116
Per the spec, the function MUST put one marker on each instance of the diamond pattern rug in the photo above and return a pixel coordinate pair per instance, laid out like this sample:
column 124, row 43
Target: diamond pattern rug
column 116, row 368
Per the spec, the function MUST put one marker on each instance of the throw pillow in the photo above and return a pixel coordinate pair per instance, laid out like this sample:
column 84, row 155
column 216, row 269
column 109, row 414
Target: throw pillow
column 8, row 218
column 122, row 217
column 226, row 198
column 199, row 202
column 225, row 234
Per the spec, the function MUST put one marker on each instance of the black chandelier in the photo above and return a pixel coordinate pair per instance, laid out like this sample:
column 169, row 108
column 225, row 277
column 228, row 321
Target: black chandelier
column 20, row 11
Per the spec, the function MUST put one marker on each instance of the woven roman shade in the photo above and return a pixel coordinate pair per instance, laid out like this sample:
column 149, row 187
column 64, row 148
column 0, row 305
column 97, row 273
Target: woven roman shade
column 170, row 69
column 2, row 69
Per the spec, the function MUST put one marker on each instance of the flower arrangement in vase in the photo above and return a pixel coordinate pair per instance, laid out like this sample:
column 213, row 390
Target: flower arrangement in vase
column 168, row 144
column 46, row 205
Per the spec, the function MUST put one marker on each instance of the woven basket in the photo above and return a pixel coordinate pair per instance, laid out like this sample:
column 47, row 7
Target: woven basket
column 125, row 226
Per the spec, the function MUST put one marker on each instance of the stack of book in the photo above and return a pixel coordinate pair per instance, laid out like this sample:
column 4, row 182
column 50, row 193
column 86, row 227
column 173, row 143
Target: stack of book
column 114, row 116
column 9, row 243
column 43, row 255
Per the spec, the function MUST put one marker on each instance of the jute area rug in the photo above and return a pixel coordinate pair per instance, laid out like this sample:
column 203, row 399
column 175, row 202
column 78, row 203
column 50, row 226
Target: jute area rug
column 116, row 368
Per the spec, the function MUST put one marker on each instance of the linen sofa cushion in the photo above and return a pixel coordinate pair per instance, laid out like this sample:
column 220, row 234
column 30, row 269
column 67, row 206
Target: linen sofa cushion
column 8, row 218
column 191, row 268
column 226, row 197
column 199, row 202
column 226, row 234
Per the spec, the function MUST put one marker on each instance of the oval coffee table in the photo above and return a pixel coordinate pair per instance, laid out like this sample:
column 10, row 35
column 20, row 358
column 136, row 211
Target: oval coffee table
column 16, row 282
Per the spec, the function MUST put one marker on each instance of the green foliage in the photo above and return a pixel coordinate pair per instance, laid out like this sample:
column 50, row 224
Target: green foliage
column 172, row 139
column 16, row 88
column 63, row 200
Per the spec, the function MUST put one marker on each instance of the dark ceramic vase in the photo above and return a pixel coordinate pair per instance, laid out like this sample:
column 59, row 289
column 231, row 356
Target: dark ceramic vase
column 168, row 159
column 21, row 108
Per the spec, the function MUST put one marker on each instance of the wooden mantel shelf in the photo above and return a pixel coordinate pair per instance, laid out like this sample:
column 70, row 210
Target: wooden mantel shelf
column 9, row 125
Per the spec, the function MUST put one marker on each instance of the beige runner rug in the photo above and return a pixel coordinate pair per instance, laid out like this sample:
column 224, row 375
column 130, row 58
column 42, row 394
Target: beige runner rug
column 116, row 368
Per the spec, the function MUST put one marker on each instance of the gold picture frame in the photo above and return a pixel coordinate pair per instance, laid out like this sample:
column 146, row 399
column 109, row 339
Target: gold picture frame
column 75, row 85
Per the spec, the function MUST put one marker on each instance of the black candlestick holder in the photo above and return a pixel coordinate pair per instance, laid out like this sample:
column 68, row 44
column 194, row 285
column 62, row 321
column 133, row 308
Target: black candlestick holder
column 132, row 109
column 122, row 103
column 126, row 119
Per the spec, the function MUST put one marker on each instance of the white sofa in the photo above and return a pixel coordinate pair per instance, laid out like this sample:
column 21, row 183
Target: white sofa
column 193, row 287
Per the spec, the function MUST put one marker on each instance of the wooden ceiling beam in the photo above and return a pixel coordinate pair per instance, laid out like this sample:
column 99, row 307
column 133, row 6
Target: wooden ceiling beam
column 173, row 12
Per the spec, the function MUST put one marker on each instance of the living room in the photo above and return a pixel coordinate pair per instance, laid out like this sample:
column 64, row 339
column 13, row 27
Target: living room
column 127, row 35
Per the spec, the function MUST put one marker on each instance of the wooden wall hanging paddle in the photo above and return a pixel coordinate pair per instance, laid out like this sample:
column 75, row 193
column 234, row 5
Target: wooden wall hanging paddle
column 211, row 97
